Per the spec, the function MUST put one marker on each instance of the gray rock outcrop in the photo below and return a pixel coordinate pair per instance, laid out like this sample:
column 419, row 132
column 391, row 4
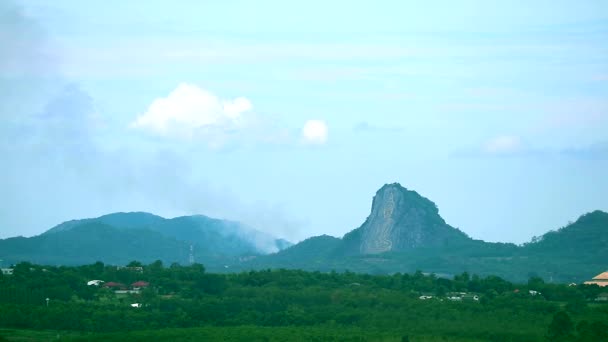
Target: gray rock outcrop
column 401, row 219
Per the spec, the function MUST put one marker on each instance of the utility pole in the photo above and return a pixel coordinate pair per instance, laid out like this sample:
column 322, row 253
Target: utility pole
column 191, row 256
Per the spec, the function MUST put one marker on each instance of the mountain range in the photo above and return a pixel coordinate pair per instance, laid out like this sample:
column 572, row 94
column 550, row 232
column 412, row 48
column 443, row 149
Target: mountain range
column 403, row 233
column 123, row 237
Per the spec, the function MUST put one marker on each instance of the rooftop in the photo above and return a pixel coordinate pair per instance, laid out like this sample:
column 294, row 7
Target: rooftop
column 601, row 276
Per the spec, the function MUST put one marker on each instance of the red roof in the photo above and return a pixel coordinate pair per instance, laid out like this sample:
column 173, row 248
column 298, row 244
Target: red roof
column 140, row 284
column 113, row 284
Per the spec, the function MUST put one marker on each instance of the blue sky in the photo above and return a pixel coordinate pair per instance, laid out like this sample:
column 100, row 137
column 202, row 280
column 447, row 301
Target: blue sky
column 289, row 117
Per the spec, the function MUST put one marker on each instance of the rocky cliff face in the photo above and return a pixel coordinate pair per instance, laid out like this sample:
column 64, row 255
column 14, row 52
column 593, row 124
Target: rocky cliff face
column 402, row 219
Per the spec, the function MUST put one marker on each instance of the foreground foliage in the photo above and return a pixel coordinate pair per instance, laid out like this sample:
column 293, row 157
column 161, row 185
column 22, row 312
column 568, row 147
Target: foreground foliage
column 186, row 303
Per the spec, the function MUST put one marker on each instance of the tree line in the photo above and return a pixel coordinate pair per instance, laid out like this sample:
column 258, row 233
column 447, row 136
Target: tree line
column 188, row 296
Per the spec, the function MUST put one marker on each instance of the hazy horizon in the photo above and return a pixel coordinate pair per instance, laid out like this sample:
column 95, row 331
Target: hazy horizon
column 289, row 117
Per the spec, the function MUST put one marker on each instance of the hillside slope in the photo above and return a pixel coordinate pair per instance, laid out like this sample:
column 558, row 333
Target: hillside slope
column 123, row 237
column 89, row 242
column 405, row 233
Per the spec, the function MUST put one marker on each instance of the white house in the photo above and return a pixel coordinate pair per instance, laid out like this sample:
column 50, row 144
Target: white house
column 94, row 282
column 7, row 271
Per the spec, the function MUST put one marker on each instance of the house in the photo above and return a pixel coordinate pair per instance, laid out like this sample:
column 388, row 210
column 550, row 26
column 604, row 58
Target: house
column 533, row 293
column 424, row 297
column 600, row 280
column 125, row 292
column 460, row 296
column 94, row 282
column 113, row 285
column 139, row 285
column 473, row 297
column 7, row 271
column 136, row 305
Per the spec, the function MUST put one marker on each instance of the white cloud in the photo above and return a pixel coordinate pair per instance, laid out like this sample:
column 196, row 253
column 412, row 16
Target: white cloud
column 315, row 132
column 190, row 111
column 195, row 114
column 503, row 144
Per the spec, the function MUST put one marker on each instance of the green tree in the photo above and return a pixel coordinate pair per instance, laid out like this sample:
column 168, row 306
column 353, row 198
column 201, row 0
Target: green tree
column 561, row 328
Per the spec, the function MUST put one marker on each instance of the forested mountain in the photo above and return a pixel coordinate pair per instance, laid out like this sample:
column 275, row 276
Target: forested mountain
column 92, row 241
column 122, row 220
column 404, row 233
column 578, row 239
column 121, row 237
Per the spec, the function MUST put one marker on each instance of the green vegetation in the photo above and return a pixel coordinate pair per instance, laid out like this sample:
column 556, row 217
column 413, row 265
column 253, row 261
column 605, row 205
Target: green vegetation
column 571, row 254
column 120, row 237
column 187, row 303
column 417, row 235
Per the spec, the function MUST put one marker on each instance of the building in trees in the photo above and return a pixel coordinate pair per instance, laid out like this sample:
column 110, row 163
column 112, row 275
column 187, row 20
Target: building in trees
column 599, row 280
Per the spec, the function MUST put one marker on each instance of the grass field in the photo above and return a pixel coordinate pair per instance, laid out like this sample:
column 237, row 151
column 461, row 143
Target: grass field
column 241, row 333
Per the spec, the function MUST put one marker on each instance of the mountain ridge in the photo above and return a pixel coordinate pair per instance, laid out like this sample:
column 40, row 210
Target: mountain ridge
column 403, row 233
column 110, row 237
column 118, row 219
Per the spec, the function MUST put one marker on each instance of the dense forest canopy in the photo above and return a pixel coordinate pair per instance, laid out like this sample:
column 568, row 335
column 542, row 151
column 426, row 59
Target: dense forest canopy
column 327, row 305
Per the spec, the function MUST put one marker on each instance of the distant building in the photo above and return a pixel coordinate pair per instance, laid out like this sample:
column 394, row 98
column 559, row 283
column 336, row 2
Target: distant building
column 124, row 292
column 460, row 296
column 94, row 282
column 113, row 285
column 7, row 271
column 139, row 285
column 470, row 297
column 138, row 269
column 599, row 280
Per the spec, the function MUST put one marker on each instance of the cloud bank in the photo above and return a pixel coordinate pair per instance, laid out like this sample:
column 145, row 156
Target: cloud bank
column 189, row 112
column 315, row 132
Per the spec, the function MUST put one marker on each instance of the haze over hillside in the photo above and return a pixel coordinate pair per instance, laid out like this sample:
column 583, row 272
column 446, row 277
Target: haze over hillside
column 123, row 237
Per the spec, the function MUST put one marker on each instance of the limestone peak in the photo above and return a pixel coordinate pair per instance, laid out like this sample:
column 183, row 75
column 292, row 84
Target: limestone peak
column 402, row 219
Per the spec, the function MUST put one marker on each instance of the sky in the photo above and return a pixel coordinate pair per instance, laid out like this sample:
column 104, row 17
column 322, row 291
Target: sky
column 289, row 116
